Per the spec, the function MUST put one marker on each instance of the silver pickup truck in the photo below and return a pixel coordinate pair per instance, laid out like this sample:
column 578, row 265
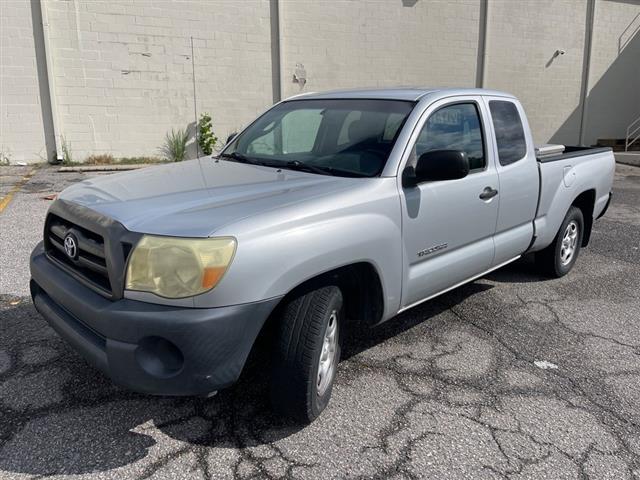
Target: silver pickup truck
column 327, row 209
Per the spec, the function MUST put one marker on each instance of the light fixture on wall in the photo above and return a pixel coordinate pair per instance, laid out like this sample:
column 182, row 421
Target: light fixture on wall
column 559, row 52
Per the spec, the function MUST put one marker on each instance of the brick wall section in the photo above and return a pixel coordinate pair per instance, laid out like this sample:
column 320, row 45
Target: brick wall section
column 614, row 81
column 123, row 72
column 122, row 69
column 345, row 44
column 22, row 137
column 523, row 36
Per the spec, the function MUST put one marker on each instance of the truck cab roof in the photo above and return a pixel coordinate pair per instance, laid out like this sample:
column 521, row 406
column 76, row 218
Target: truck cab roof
column 412, row 94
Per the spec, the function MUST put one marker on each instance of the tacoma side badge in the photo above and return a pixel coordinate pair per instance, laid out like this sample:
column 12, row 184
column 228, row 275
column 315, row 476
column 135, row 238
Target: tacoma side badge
column 430, row 250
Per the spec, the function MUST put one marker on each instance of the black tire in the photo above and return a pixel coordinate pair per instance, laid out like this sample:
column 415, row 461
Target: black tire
column 297, row 349
column 550, row 260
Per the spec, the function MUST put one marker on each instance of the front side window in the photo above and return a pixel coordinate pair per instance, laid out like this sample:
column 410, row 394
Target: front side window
column 510, row 139
column 346, row 137
column 454, row 127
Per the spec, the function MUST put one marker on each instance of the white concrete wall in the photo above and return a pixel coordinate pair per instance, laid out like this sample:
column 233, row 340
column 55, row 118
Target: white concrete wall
column 523, row 37
column 122, row 69
column 614, row 81
column 22, row 131
column 344, row 43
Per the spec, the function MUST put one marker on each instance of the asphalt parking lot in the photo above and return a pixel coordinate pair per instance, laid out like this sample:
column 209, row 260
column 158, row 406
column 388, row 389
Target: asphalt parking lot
column 511, row 376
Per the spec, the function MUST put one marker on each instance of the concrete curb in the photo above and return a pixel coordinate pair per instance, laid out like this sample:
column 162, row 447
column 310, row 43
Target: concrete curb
column 628, row 158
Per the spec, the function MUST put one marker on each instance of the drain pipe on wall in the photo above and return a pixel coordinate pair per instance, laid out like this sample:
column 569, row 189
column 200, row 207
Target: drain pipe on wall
column 483, row 37
column 50, row 80
column 586, row 66
column 280, row 56
column 275, row 13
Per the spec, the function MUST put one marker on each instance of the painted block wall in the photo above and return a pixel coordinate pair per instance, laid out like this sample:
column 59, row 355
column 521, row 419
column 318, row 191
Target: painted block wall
column 122, row 70
column 349, row 44
column 23, row 134
column 614, row 81
column 522, row 41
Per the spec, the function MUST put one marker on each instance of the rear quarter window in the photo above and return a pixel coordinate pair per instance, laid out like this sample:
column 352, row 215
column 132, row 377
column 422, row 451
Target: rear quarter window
column 507, row 124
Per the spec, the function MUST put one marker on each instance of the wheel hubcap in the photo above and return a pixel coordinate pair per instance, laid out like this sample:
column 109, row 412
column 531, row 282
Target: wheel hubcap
column 569, row 243
column 326, row 364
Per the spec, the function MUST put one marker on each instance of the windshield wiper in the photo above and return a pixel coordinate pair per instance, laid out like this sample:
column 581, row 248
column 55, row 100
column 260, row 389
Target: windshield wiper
column 292, row 164
column 305, row 167
column 322, row 170
column 238, row 157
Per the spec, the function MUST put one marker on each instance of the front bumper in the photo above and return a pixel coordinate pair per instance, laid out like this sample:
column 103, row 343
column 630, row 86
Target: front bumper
column 148, row 348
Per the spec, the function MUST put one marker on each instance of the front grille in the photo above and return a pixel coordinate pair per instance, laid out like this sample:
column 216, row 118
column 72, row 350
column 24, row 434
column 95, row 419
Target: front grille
column 103, row 246
column 90, row 263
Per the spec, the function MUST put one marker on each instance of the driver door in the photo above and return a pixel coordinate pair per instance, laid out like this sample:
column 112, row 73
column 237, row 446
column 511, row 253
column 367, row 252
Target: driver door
column 447, row 228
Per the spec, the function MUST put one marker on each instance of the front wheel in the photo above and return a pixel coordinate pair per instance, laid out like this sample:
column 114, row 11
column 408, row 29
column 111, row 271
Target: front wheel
column 306, row 353
column 558, row 258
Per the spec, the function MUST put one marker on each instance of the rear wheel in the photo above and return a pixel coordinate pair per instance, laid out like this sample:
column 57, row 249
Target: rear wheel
column 306, row 353
column 558, row 258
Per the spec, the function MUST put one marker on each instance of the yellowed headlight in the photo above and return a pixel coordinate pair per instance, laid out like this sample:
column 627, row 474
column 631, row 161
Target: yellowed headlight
column 178, row 267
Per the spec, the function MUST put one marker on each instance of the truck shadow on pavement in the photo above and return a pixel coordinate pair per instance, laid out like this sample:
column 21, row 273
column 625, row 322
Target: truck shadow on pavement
column 523, row 270
column 58, row 415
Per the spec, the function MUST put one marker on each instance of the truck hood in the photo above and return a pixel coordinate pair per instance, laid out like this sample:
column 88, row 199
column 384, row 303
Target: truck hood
column 197, row 197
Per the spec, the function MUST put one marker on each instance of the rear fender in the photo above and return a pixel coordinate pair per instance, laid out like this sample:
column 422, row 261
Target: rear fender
column 565, row 182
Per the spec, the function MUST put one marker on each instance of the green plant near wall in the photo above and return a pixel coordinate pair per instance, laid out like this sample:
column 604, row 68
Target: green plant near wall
column 175, row 145
column 67, row 156
column 206, row 139
column 5, row 156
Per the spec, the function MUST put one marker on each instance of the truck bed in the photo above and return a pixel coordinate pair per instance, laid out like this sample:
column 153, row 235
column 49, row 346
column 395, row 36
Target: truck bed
column 572, row 152
column 578, row 171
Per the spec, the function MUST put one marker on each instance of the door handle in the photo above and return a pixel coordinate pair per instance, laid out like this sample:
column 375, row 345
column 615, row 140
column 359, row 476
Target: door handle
column 488, row 193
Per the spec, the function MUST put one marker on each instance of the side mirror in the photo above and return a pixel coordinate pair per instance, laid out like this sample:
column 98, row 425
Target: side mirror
column 231, row 137
column 437, row 165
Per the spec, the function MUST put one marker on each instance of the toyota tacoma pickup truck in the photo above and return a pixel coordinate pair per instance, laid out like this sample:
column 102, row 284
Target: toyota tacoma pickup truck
column 330, row 210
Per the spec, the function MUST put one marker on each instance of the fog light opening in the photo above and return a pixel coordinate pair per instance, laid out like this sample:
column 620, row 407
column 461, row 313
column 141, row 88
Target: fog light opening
column 159, row 357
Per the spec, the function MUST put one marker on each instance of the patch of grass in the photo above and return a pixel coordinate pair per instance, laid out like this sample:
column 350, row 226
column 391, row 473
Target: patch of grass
column 136, row 160
column 108, row 159
column 67, row 156
column 101, row 159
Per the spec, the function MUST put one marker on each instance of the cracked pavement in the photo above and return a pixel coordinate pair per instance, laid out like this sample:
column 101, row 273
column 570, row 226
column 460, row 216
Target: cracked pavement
column 449, row 389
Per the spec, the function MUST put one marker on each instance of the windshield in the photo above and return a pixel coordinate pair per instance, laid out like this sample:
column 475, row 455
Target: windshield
column 343, row 137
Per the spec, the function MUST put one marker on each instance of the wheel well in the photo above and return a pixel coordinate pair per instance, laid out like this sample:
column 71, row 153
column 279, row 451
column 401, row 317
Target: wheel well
column 586, row 203
column 363, row 302
column 361, row 288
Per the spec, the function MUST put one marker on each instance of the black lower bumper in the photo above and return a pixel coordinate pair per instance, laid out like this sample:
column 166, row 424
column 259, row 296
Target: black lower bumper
column 146, row 347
